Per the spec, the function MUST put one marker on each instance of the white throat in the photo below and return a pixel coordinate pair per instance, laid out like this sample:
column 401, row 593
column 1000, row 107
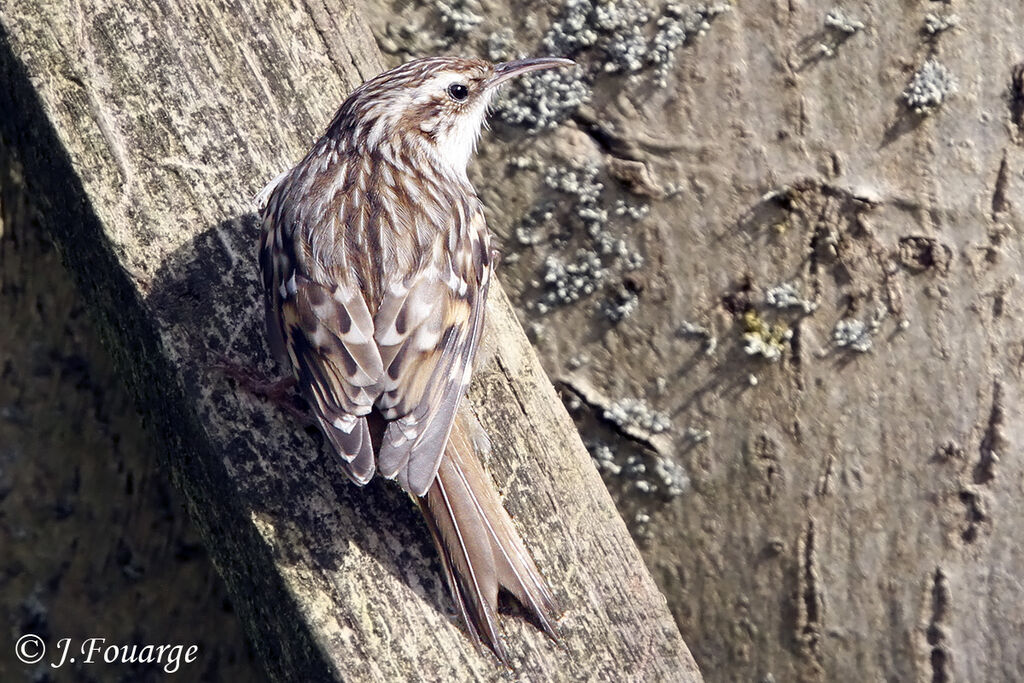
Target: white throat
column 454, row 145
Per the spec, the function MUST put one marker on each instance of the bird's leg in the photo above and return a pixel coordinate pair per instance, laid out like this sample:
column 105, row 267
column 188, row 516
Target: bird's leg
column 280, row 392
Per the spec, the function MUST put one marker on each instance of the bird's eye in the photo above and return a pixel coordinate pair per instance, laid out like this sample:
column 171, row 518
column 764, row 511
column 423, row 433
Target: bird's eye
column 458, row 92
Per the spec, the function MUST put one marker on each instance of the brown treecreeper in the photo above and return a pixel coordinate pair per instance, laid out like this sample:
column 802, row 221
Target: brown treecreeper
column 376, row 263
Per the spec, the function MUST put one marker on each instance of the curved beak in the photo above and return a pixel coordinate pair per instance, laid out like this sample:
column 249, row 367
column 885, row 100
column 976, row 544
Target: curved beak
column 507, row 70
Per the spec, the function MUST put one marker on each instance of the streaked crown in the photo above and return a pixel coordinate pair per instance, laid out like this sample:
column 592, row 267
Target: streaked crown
column 437, row 103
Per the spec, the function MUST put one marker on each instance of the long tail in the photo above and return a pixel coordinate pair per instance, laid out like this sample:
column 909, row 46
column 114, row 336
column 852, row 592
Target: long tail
column 479, row 547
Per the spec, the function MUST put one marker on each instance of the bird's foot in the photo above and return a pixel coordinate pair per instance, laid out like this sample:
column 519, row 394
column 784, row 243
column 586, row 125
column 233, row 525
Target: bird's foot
column 280, row 392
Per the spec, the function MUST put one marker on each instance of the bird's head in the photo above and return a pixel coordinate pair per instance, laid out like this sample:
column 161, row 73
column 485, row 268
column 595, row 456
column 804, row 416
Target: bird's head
column 439, row 103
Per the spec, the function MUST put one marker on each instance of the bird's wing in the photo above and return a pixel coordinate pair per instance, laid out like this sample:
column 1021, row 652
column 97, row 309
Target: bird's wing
column 428, row 329
column 329, row 335
column 324, row 327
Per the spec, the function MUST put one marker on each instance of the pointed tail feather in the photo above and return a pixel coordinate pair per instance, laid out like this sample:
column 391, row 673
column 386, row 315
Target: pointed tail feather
column 479, row 546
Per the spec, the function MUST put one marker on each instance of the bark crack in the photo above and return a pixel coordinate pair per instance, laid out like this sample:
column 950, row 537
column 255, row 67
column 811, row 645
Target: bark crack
column 935, row 632
column 601, row 405
column 810, row 603
column 993, row 441
column 508, row 377
column 1017, row 102
column 974, row 511
column 1000, row 204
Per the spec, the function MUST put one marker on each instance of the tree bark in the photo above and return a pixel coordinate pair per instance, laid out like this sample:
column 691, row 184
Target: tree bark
column 144, row 131
column 828, row 316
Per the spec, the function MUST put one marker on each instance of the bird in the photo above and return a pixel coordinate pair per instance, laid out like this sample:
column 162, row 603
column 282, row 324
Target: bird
column 376, row 262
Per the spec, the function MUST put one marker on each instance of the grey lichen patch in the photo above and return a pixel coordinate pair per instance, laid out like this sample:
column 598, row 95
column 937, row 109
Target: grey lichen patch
column 460, row 17
column 614, row 29
column 499, row 45
column 641, row 527
column 602, row 258
column 636, row 469
column 693, row 330
column 839, row 27
column 542, row 100
column 604, row 458
column 625, row 37
column 854, row 334
column 935, row 23
column 580, row 182
column 619, row 32
column 642, row 473
column 631, row 210
column 576, row 28
column 635, row 414
column 577, row 361
column 641, row 457
column 621, row 304
column 672, row 477
column 765, row 339
column 610, row 38
column 838, row 20
column 566, row 283
column 696, row 435
column 532, row 228
column 929, row 88
column 785, row 295
column 627, row 53
column 678, row 25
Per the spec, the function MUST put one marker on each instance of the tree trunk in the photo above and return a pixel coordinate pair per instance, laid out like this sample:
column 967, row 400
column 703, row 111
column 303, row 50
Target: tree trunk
column 826, row 331
column 143, row 133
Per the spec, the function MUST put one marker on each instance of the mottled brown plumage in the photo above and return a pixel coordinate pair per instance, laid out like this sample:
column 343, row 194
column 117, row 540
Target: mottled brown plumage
column 376, row 263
